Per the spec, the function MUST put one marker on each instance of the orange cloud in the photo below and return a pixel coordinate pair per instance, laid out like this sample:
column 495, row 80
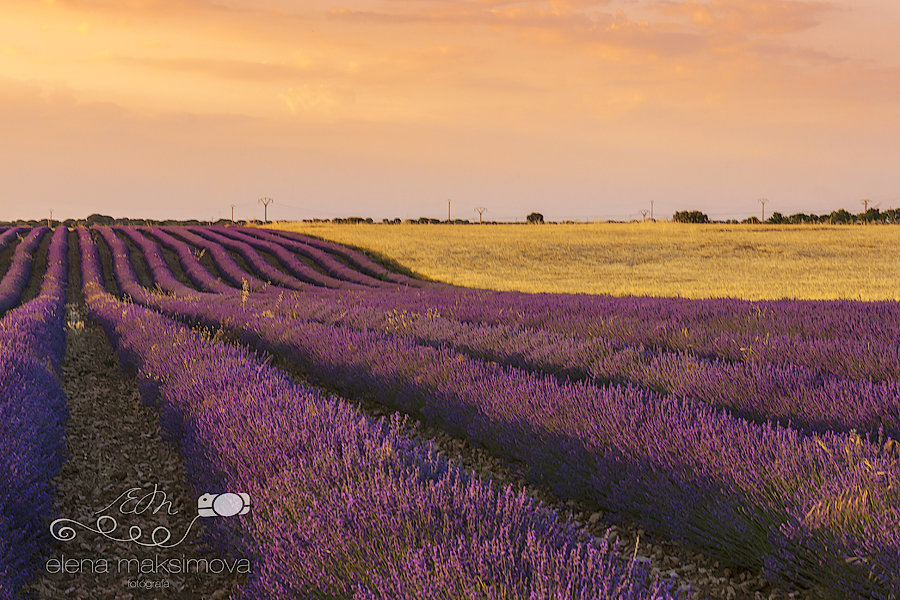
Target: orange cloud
column 750, row 17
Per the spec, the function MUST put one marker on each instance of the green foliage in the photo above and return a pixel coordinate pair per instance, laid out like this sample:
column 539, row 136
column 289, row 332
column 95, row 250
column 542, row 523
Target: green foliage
column 96, row 219
column 535, row 218
column 690, row 216
column 840, row 216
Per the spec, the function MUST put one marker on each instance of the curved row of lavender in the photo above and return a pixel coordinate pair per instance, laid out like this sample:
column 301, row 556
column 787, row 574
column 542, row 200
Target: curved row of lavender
column 343, row 506
column 821, row 510
column 33, row 411
column 320, row 258
column 187, row 259
column 355, row 259
column 231, row 271
column 8, row 234
column 298, row 271
column 16, row 278
column 756, row 390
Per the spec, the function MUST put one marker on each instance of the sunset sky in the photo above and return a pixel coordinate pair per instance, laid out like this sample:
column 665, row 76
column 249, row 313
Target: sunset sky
column 577, row 109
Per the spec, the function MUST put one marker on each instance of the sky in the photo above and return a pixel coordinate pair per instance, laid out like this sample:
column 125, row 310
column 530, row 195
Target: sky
column 580, row 109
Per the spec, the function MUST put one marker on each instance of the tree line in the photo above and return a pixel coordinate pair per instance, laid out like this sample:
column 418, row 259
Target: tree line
column 837, row 217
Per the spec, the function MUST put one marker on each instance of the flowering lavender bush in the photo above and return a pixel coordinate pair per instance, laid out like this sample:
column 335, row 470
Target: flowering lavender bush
column 16, row 278
column 32, row 417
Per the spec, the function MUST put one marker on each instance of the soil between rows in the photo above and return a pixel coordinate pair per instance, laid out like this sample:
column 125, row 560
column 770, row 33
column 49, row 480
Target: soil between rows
column 707, row 577
column 38, row 268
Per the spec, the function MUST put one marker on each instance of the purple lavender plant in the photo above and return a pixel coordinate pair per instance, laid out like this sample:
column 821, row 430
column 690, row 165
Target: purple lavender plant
column 32, row 416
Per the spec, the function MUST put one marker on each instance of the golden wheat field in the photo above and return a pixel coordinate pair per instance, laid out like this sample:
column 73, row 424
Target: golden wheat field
column 658, row 259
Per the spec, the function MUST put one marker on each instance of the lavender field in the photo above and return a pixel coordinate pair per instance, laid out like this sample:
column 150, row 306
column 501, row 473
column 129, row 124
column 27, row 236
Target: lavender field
column 659, row 448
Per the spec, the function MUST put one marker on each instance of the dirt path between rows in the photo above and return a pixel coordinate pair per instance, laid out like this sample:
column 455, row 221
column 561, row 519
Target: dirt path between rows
column 114, row 444
column 38, row 268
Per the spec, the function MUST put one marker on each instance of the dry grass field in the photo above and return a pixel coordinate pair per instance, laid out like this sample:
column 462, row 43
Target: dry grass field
column 658, row 259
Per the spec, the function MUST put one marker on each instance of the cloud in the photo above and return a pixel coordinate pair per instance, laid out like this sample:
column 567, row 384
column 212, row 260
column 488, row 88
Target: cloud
column 750, row 17
column 172, row 7
column 580, row 22
column 231, row 69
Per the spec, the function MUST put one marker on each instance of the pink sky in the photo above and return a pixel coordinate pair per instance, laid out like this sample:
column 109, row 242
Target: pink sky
column 578, row 109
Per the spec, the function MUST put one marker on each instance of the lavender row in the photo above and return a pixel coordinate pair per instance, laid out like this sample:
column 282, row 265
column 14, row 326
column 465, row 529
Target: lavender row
column 756, row 390
column 190, row 263
column 229, row 268
column 159, row 270
column 251, row 247
column 299, row 276
column 724, row 329
column 8, row 235
column 820, row 510
column 355, row 259
column 343, row 506
column 293, row 273
column 32, row 416
column 254, row 260
column 322, row 259
column 16, row 278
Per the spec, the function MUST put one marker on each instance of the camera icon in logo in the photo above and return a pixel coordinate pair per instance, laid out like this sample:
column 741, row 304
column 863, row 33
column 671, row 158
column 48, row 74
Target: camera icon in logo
column 223, row 505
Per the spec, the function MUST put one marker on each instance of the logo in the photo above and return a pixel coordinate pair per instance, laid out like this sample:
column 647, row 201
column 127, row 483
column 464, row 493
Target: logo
column 223, row 505
column 134, row 502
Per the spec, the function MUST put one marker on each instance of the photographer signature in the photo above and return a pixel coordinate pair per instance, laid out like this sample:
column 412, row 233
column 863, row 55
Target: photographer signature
column 134, row 502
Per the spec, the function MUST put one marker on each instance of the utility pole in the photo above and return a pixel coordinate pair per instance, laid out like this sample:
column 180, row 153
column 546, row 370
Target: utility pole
column 480, row 210
column 232, row 214
column 865, row 203
column 50, row 220
column 644, row 214
column 265, row 202
column 651, row 211
column 763, row 202
column 448, row 210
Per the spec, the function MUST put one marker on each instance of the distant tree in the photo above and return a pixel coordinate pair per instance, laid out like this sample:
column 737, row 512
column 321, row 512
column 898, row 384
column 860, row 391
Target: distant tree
column 535, row 218
column 777, row 219
column 751, row 221
column 690, row 216
column 873, row 215
column 802, row 218
column 892, row 215
column 96, row 219
column 840, row 217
